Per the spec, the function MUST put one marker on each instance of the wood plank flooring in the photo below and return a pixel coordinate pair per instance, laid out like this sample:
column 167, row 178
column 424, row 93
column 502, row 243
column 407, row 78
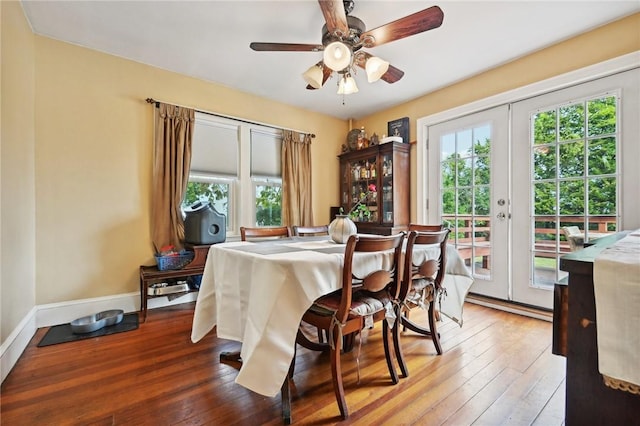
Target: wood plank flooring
column 496, row 370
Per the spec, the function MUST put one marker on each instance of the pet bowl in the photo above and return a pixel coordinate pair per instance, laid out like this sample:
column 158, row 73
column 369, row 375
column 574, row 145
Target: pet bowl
column 95, row 322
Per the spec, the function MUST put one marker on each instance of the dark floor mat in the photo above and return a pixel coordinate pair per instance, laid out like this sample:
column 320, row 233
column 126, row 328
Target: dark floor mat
column 63, row 334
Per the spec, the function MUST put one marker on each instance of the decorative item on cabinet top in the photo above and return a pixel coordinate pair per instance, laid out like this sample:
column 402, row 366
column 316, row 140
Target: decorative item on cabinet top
column 399, row 128
column 358, row 139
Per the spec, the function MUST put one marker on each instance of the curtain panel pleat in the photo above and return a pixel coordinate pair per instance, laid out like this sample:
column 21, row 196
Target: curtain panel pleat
column 296, row 179
column 171, row 163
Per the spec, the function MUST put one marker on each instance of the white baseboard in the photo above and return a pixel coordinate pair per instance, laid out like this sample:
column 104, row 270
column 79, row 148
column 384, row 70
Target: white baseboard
column 64, row 312
column 12, row 348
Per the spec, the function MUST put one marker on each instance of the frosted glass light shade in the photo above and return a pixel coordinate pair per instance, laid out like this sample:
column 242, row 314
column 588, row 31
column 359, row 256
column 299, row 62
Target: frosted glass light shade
column 375, row 68
column 313, row 77
column 347, row 85
column 337, row 56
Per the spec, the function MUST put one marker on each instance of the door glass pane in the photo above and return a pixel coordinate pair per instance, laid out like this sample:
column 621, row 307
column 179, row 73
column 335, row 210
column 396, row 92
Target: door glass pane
column 602, row 116
column 482, row 170
column 544, row 127
column 571, row 158
column 571, row 122
column 466, row 194
column 602, row 156
column 544, row 198
column 544, row 161
column 572, row 197
column 574, row 181
column 465, row 170
column 602, row 196
column 464, row 201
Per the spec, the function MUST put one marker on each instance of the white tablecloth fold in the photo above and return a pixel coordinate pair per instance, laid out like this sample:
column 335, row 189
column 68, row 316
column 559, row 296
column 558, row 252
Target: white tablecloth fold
column 616, row 280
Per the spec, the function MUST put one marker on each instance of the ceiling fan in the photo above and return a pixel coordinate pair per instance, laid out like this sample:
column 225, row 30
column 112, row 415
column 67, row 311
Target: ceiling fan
column 343, row 37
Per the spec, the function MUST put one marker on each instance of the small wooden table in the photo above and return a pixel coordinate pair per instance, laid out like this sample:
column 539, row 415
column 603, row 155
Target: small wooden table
column 151, row 274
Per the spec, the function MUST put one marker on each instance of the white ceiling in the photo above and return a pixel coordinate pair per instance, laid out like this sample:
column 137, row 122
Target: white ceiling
column 210, row 40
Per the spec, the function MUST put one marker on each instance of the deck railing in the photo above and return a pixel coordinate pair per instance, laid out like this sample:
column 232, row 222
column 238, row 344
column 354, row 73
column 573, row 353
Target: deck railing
column 545, row 237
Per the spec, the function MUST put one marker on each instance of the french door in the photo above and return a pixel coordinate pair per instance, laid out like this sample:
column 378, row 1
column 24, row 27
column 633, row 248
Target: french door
column 471, row 193
column 509, row 179
column 568, row 147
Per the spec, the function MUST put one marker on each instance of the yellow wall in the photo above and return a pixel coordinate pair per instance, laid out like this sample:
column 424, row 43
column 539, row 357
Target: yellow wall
column 93, row 162
column 607, row 42
column 17, row 181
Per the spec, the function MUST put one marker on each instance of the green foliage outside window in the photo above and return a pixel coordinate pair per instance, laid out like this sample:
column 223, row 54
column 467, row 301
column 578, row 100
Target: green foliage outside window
column 217, row 194
column 574, row 146
column 268, row 205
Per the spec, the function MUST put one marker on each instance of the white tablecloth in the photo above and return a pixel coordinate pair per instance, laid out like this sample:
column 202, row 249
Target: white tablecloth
column 616, row 281
column 256, row 293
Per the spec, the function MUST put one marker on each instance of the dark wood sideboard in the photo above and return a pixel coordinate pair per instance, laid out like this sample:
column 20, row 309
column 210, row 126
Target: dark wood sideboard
column 588, row 400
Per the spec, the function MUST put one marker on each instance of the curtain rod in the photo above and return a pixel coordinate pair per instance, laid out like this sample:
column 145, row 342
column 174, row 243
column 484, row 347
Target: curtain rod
column 157, row 103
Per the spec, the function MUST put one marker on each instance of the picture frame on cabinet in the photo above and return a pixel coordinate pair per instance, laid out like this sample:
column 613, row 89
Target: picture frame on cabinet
column 399, row 127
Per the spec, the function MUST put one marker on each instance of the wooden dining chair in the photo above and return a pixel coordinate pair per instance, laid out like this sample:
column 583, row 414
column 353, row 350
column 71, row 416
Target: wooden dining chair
column 424, row 281
column 308, row 231
column 422, row 228
column 347, row 310
column 273, row 232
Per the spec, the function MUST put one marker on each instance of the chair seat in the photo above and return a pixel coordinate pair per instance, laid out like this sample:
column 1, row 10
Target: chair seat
column 363, row 303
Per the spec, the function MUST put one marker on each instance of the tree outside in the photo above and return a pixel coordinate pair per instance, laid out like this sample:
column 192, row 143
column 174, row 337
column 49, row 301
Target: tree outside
column 268, row 205
column 216, row 194
column 574, row 167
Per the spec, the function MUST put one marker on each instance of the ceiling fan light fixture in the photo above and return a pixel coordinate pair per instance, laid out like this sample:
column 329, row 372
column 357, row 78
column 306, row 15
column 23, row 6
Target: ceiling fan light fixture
column 313, row 76
column 347, row 85
column 375, row 68
column 337, row 56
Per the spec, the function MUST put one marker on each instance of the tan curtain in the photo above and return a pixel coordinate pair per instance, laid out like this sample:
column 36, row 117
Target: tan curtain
column 296, row 179
column 171, row 163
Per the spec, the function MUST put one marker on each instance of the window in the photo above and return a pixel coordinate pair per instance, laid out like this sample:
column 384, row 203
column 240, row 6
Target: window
column 236, row 167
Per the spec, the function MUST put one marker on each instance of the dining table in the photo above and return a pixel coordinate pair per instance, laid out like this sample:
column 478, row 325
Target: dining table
column 257, row 292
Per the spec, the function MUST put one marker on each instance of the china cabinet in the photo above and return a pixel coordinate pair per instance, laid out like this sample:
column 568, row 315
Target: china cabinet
column 374, row 186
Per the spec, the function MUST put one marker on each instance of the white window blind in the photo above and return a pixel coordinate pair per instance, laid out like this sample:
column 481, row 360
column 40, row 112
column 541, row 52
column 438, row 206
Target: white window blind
column 266, row 148
column 215, row 146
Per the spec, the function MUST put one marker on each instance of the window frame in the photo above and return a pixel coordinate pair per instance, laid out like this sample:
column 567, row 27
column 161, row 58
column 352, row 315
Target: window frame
column 242, row 187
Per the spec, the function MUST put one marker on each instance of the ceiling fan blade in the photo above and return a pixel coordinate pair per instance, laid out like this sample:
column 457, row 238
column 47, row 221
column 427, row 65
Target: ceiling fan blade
column 392, row 75
column 326, row 73
column 286, row 47
column 335, row 16
column 416, row 23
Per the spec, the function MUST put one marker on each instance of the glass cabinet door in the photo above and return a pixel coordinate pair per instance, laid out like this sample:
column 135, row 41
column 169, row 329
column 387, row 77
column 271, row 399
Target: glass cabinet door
column 387, row 188
column 363, row 189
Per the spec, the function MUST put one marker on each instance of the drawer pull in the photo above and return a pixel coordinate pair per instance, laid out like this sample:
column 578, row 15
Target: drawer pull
column 586, row 323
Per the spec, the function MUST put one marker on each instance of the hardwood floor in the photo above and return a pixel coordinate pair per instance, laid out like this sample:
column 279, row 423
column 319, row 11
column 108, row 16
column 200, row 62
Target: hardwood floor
column 496, row 370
